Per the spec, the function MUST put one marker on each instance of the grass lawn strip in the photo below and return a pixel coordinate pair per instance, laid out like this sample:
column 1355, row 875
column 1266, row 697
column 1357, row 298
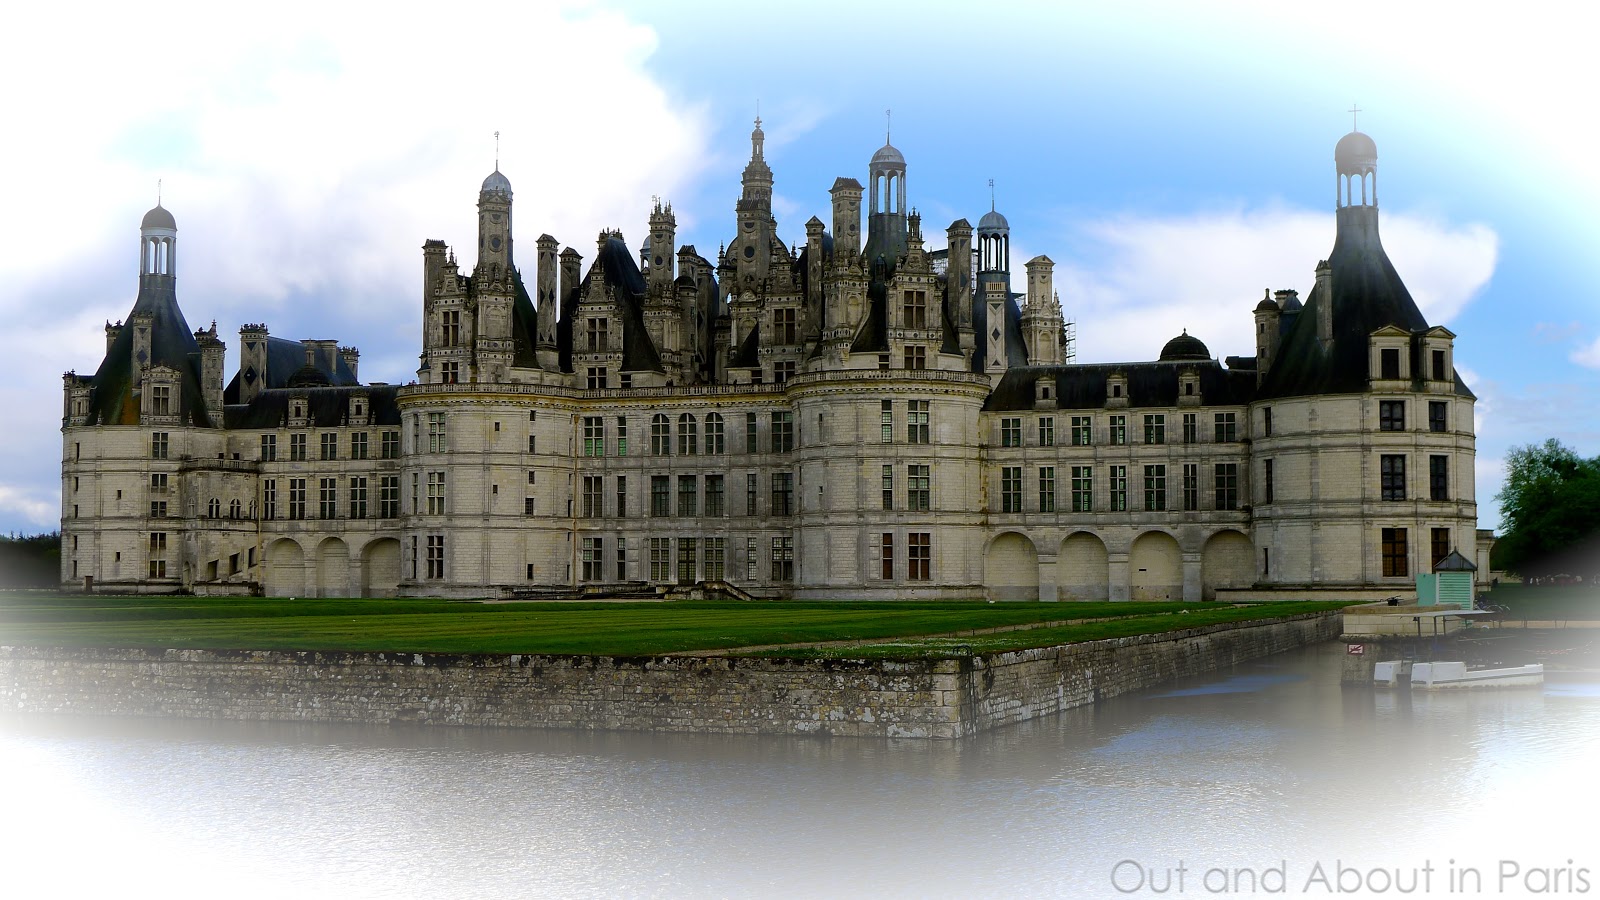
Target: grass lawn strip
column 612, row 629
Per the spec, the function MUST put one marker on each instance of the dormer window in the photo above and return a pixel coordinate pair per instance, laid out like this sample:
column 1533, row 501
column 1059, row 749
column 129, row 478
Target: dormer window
column 1440, row 372
column 1389, row 363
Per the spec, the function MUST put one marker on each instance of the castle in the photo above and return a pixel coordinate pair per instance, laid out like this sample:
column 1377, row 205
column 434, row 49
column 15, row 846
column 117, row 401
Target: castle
column 855, row 417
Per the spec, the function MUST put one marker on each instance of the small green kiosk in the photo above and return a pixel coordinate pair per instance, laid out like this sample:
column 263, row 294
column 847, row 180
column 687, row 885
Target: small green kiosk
column 1449, row 585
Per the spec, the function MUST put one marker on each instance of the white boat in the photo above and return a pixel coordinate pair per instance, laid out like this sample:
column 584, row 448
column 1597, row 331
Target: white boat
column 1438, row 676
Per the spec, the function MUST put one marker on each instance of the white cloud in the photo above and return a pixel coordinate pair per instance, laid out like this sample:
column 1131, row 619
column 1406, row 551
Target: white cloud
column 28, row 503
column 1132, row 282
column 1588, row 356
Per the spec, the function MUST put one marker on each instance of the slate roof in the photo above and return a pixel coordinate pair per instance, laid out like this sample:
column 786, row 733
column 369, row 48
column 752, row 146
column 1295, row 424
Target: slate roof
column 1366, row 294
column 328, row 407
column 1150, row 385
column 285, row 359
column 627, row 286
column 172, row 344
column 1016, row 348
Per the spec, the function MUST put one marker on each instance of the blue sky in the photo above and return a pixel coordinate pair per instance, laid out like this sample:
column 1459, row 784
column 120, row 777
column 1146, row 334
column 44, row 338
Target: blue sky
column 1174, row 160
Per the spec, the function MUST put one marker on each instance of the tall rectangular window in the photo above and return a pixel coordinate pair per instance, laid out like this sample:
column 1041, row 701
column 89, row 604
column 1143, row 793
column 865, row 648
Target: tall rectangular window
column 1011, row 489
column 1155, row 429
column 1047, row 489
column 597, row 331
column 750, row 494
column 1438, row 478
column 919, row 488
column 1118, row 488
column 450, row 328
column 358, row 445
column 1191, row 428
column 750, row 443
column 716, row 504
column 159, row 442
column 916, row 311
column 437, row 437
column 622, row 559
column 594, row 436
column 1047, row 431
column 391, row 445
column 269, row 448
column 1011, row 432
column 297, row 447
column 1266, row 481
column 783, row 559
column 1395, row 564
column 919, row 556
column 1082, row 489
column 436, row 493
column 1440, row 544
column 661, row 559
column 660, row 504
column 269, row 498
column 782, row 431
column 885, row 421
column 688, row 435
column 886, row 556
column 750, row 559
column 593, row 496
column 784, row 330
column 1392, row 475
column 358, row 497
column 1391, row 415
column 435, row 556
column 716, row 559
column 688, row 560
column 389, row 497
column 1389, row 363
column 158, row 554
column 716, row 443
column 1436, row 415
column 918, row 414
column 161, row 400
column 593, row 558
column 688, row 495
column 1191, row 487
column 330, row 445
column 888, row 487
column 1266, row 421
column 622, row 435
column 782, row 493
column 622, row 496
column 1155, row 488
column 1119, row 430
column 660, row 435
column 1227, row 428
column 1082, row 430
column 297, row 498
column 1438, row 365
column 1226, row 482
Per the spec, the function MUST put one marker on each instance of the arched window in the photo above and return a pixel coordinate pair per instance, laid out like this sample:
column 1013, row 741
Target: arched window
column 688, row 436
column 235, row 510
column 660, row 435
column 214, row 509
column 714, row 435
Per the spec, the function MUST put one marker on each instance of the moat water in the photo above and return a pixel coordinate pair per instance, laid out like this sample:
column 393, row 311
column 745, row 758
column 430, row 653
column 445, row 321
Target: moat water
column 1270, row 774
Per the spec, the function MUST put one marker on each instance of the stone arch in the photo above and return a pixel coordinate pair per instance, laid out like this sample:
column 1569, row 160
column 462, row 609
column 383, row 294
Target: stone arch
column 1083, row 569
column 1011, row 568
column 1229, row 561
column 333, row 568
column 1155, row 567
column 286, row 569
column 380, row 568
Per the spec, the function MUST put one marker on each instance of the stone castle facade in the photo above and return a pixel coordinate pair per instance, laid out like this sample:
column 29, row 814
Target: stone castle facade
column 854, row 417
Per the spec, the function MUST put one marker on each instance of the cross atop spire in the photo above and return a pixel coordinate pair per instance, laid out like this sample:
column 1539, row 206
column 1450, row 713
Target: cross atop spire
column 1353, row 110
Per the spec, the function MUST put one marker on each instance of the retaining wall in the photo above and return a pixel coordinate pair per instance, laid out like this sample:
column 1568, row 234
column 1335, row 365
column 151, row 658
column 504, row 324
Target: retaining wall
column 923, row 699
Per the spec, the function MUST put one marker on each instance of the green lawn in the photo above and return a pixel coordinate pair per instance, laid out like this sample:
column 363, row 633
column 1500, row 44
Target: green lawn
column 613, row 629
column 1546, row 603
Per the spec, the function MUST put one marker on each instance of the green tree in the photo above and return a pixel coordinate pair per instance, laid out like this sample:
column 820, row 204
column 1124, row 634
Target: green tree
column 1549, row 508
column 30, row 562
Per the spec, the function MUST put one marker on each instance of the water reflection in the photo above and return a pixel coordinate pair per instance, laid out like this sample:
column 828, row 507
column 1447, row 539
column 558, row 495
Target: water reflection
column 1269, row 762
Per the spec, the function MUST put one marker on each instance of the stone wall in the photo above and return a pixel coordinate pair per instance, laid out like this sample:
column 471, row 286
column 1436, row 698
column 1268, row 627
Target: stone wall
column 922, row 699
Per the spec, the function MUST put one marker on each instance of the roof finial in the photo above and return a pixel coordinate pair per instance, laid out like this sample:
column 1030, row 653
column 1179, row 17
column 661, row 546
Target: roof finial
column 991, row 195
column 758, row 112
column 497, row 151
column 888, row 124
column 158, row 192
column 1353, row 110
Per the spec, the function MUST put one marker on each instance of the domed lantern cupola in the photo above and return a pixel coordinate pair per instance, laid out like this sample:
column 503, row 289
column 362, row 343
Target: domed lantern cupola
column 158, row 244
column 887, row 226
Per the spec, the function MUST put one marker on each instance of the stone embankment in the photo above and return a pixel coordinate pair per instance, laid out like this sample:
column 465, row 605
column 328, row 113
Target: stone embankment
column 947, row 698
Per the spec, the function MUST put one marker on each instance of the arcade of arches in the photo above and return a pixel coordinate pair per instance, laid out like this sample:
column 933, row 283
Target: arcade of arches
column 1153, row 566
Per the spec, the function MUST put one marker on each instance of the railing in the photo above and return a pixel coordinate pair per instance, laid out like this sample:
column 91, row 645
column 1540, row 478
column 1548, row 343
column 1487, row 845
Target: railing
column 202, row 464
